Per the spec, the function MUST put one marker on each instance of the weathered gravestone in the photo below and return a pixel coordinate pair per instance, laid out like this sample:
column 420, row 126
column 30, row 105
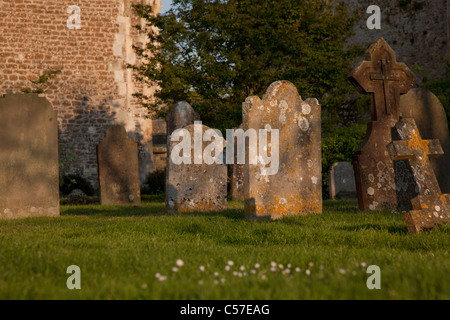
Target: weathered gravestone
column 29, row 168
column 118, row 168
column 296, row 188
column 381, row 183
column 180, row 115
column 430, row 207
column 342, row 181
column 429, row 114
column 237, row 182
column 193, row 184
column 237, row 176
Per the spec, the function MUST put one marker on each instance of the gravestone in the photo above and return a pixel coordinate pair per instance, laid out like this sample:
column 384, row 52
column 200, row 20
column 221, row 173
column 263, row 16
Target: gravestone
column 237, row 176
column 237, row 182
column 194, row 185
column 296, row 189
column 118, row 168
column 29, row 168
column 180, row 115
column 381, row 183
column 342, row 181
column 430, row 207
column 429, row 114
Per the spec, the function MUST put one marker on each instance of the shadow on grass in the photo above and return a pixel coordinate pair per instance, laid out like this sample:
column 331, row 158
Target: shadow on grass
column 147, row 209
column 393, row 229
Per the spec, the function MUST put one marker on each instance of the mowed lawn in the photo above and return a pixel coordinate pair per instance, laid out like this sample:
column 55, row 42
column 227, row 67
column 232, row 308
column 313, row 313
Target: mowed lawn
column 127, row 252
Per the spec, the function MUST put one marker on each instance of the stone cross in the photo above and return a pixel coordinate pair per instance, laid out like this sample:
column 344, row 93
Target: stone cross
column 376, row 174
column 385, row 78
column 431, row 207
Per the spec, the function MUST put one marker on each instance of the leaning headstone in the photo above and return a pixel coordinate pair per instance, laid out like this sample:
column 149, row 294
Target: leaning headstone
column 430, row 207
column 342, row 181
column 381, row 183
column 237, row 176
column 29, row 168
column 118, row 168
column 296, row 187
column 193, row 184
column 429, row 114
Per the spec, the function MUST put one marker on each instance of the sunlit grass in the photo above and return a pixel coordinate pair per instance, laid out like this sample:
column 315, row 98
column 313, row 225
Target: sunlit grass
column 128, row 252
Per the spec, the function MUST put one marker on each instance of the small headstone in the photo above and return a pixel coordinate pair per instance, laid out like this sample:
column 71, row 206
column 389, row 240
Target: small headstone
column 237, row 177
column 429, row 114
column 29, row 168
column 342, row 181
column 296, row 189
column 237, row 182
column 118, row 168
column 382, row 184
column 430, row 207
column 78, row 197
column 192, row 187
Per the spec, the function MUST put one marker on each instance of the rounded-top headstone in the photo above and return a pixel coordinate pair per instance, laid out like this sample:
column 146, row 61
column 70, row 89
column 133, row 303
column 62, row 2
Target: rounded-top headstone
column 429, row 114
column 181, row 115
column 29, row 178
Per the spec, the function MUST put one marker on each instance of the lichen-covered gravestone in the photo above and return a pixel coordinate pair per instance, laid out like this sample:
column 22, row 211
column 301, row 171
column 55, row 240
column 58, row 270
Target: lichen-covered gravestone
column 430, row 207
column 29, row 169
column 194, row 184
column 179, row 116
column 118, row 168
column 342, row 181
column 296, row 189
column 429, row 114
column 381, row 183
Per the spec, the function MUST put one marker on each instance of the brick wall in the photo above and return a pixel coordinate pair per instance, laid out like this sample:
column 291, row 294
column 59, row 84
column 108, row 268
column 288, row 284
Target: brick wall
column 94, row 89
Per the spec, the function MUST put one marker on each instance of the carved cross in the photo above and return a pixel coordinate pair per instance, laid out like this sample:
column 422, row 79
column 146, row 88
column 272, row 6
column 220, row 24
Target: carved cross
column 385, row 78
column 431, row 207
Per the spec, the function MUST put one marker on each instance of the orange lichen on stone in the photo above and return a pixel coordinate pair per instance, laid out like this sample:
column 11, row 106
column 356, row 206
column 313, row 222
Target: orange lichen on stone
column 296, row 188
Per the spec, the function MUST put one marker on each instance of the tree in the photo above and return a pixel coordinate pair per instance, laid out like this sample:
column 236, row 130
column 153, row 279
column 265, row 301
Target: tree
column 216, row 53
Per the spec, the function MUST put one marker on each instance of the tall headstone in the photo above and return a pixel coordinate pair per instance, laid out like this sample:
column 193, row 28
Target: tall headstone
column 29, row 168
column 118, row 168
column 296, row 189
column 179, row 116
column 430, row 207
column 381, row 183
column 194, row 185
column 429, row 114
column 342, row 181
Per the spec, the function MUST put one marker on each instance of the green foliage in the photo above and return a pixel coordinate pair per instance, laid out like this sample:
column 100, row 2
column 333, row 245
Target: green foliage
column 42, row 82
column 70, row 182
column 214, row 54
column 340, row 144
column 155, row 183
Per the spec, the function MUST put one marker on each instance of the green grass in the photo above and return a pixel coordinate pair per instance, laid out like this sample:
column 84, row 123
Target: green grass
column 120, row 249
